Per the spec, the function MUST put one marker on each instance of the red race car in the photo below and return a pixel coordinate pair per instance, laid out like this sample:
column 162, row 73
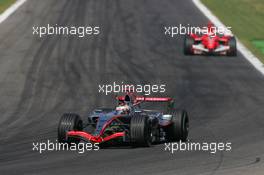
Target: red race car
column 210, row 43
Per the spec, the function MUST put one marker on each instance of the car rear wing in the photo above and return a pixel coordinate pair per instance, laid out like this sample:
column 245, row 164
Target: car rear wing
column 147, row 99
column 139, row 99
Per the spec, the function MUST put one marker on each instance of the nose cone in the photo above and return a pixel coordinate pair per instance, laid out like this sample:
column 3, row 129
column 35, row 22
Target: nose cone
column 211, row 43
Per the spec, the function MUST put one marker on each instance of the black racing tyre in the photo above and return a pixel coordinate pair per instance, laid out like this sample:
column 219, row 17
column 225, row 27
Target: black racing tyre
column 69, row 122
column 140, row 130
column 179, row 128
column 233, row 49
column 188, row 43
column 155, row 131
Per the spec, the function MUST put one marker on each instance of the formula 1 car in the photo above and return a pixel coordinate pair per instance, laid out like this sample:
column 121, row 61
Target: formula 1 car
column 127, row 123
column 210, row 43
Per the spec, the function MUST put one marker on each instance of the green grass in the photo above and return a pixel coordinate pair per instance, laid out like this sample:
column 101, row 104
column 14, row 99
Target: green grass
column 4, row 4
column 259, row 44
column 246, row 17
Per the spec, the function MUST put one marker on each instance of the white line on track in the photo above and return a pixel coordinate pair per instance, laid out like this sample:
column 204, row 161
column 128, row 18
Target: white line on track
column 11, row 10
column 243, row 50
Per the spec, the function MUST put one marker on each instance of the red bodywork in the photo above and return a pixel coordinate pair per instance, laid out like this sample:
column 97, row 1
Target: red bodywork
column 99, row 138
column 210, row 42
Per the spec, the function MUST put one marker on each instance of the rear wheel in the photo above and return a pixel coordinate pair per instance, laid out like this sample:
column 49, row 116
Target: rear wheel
column 188, row 43
column 179, row 128
column 69, row 122
column 140, row 130
column 233, row 49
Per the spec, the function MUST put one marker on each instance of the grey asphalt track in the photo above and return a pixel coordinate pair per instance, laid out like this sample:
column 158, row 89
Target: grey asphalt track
column 42, row 78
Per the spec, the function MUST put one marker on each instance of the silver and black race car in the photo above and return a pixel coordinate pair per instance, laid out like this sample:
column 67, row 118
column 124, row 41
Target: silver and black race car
column 127, row 123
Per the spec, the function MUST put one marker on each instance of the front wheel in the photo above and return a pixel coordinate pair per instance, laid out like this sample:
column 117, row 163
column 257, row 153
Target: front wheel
column 179, row 128
column 140, row 130
column 233, row 49
column 69, row 122
column 188, row 43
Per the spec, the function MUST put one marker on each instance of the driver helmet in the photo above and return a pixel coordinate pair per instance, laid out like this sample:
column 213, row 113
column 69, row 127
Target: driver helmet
column 211, row 29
